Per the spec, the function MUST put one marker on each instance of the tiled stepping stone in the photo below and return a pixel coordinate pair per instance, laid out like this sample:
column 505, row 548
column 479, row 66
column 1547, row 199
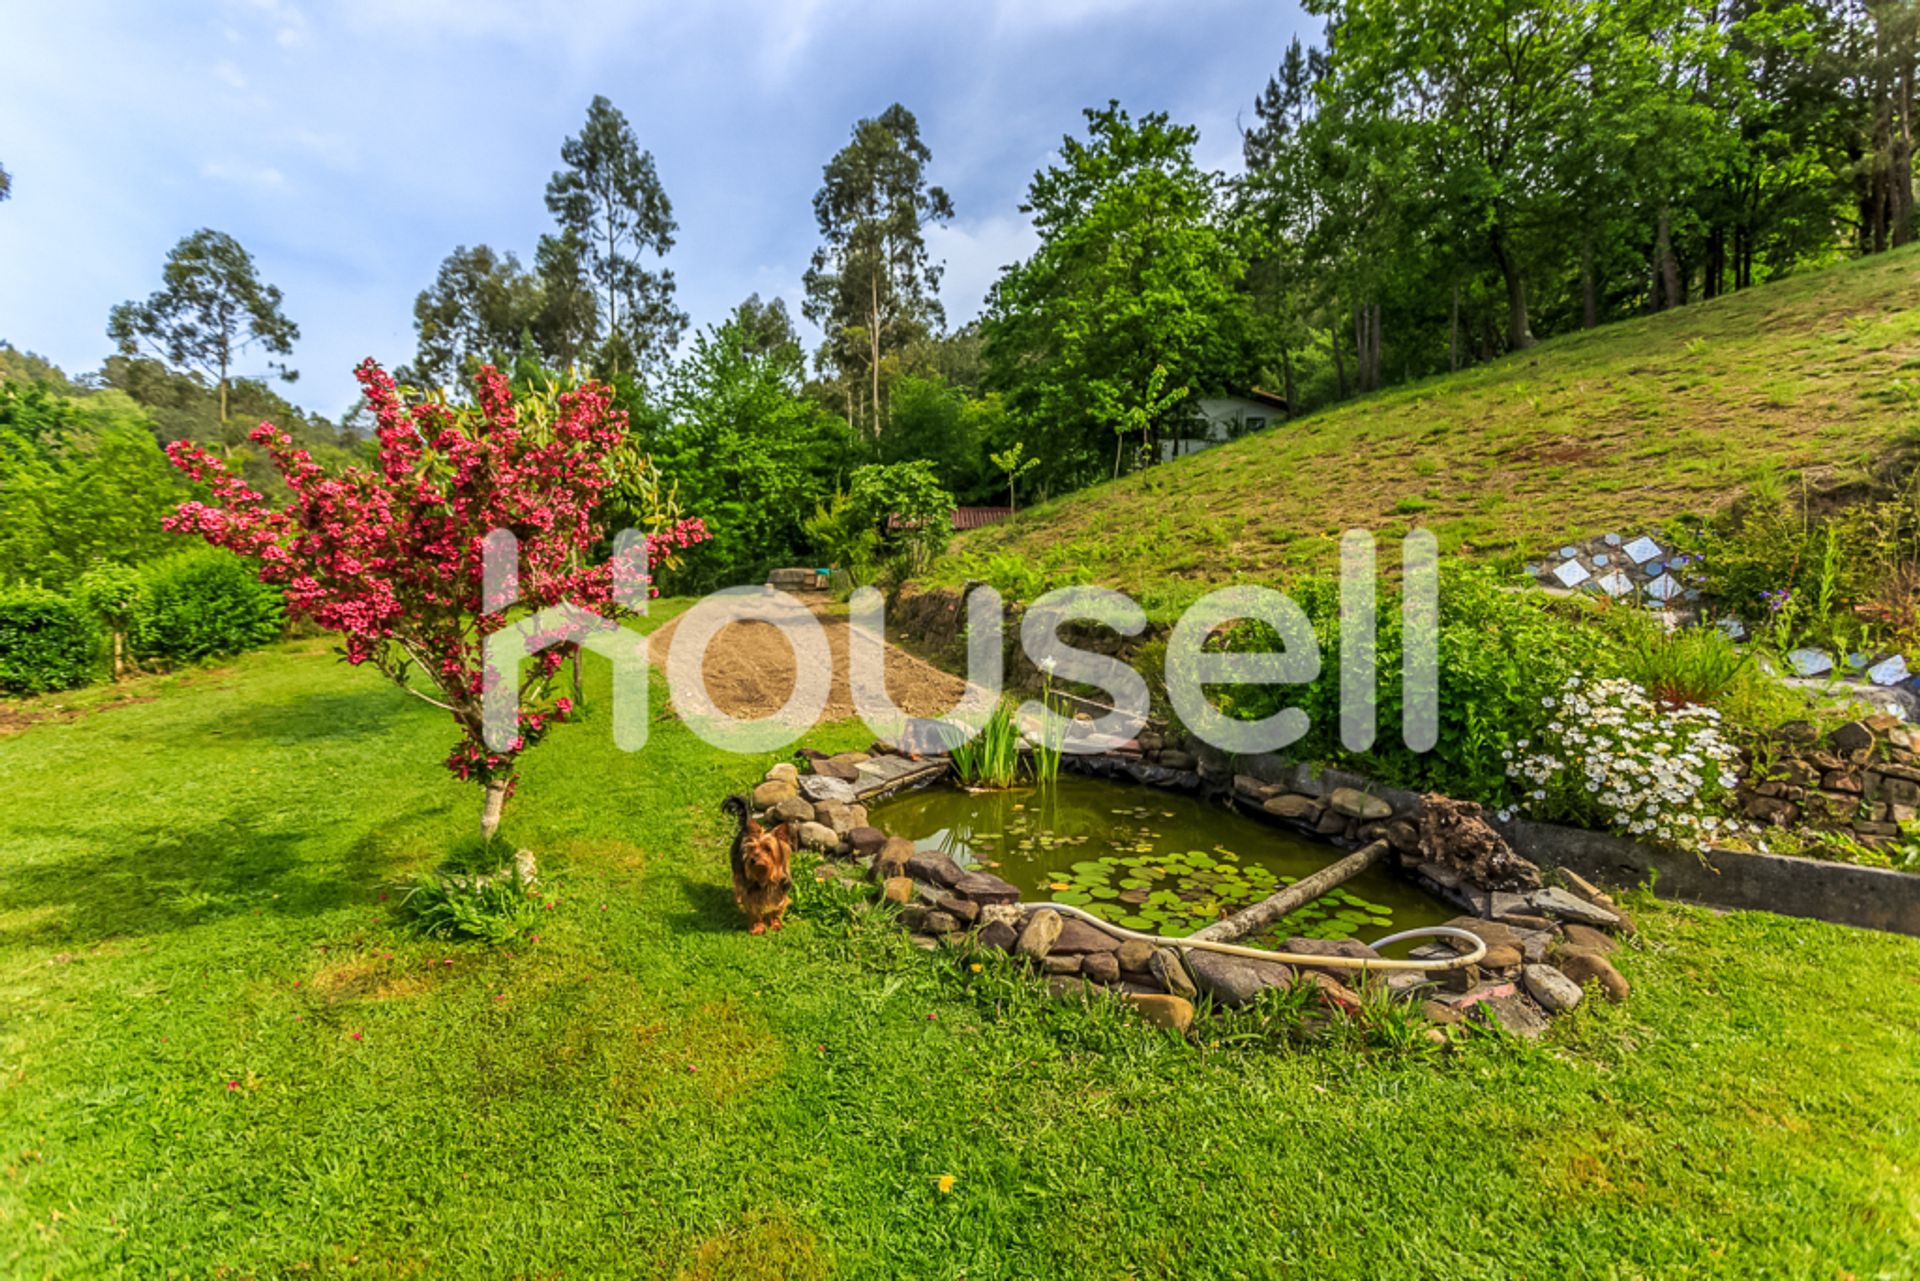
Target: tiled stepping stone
column 1732, row 628
column 1663, row 588
column 1889, row 671
column 1611, row 540
column 1571, row 573
column 1533, row 571
column 1568, row 553
column 1653, row 568
column 1642, row 550
column 1858, row 662
column 1616, row 584
column 1810, row 662
column 1601, row 559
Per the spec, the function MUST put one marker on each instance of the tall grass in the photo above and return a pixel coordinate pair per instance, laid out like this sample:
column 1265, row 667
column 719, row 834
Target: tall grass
column 991, row 758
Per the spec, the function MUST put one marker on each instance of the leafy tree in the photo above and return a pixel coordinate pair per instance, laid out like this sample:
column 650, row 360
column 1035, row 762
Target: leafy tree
column 767, row 330
column 1013, row 464
column 909, row 503
column 872, row 287
column 612, row 210
column 937, row 421
column 389, row 556
column 212, row 307
column 479, row 305
column 1136, row 271
column 6, row 183
column 747, row 450
column 82, row 480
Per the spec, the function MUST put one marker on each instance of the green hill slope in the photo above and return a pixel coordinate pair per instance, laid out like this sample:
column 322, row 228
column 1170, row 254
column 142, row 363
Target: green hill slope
column 1613, row 429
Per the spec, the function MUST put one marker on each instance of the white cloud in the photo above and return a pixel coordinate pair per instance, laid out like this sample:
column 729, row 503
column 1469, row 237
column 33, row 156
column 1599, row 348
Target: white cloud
column 230, row 75
column 975, row 253
column 265, row 177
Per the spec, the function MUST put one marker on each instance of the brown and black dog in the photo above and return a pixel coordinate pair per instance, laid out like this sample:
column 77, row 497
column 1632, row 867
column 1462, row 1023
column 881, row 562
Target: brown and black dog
column 762, row 875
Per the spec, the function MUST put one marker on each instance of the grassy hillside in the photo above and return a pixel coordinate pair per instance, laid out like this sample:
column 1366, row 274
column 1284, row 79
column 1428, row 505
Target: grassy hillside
column 1612, row 429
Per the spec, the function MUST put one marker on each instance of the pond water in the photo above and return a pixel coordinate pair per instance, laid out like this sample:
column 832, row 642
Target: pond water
column 1160, row 862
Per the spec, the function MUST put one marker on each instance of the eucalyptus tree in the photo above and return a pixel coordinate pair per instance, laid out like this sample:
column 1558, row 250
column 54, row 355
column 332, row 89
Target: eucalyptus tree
column 212, row 308
column 613, row 212
column 872, row 287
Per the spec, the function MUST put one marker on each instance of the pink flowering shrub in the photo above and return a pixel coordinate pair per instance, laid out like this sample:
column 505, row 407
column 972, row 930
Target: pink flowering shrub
column 392, row 557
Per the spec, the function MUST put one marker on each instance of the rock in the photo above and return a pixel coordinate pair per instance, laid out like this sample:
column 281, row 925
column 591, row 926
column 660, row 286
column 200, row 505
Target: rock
column 934, row 867
column 1503, row 957
column 1234, row 980
column 1357, row 804
column 997, row 935
column 1173, row 759
column 1502, row 904
column 815, row 836
column 835, row 814
column 1249, row 786
column 1036, row 940
column 1850, row 737
column 1171, row 973
column 1135, row 956
column 823, row 787
column 1585, row 967
column 1513, row 1014
column 1587, row 939
column 892, row 858
column 1011, row 913
column 1810, row 662
column 1558, row 903
column 1440, row 1012
column 1492, row 933
column 772, row 792
column 1407, row 985
column 792, row 810
column 1797, row 732
column 925, row 942
column 1066, row 988
column 1889, row 671
column 965, row 910
column 941, row 923
column 897, row 889
column 840, row 767
column 984, row 888
column 785, row 771
column 914, row 917
column 1555, row 991
column 1078, row 936
column 1292, row 805
column 1351, row 948
column 1173, row 1013
column 1060, row 965
column 1100, row 967
column 1403, row 836
column 866, row 840
column 1534, row 945
column 1332, row 823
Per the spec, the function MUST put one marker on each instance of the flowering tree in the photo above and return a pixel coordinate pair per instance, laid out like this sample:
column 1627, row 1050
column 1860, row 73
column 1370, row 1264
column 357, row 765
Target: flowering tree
column 393, row 558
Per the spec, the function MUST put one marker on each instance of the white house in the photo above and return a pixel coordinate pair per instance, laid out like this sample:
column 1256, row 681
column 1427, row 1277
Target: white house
column 1224, row 418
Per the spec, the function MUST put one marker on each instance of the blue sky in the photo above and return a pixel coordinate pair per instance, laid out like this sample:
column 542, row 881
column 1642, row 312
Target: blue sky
column 351, row 145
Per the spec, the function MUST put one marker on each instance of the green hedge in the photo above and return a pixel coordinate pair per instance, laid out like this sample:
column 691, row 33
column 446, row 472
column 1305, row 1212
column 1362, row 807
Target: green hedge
column 47, row 642
column 204, row 604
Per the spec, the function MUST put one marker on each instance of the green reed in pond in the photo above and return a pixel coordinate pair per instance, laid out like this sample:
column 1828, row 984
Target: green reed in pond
column 991, row 758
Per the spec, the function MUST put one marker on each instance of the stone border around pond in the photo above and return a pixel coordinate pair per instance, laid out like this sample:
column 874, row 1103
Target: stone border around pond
column 1546, row 944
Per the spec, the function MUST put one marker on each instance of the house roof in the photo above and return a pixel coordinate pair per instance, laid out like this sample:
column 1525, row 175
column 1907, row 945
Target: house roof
column 963, row 518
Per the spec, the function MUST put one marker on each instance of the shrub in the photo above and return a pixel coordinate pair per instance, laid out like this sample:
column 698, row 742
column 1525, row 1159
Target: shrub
column 1610, row 757
column 1698, row 665
column 1501, row 653
column 47, row 642
column 204, row 603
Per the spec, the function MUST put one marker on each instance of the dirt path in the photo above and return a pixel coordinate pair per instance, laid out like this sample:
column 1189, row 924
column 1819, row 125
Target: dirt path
column 750, row 670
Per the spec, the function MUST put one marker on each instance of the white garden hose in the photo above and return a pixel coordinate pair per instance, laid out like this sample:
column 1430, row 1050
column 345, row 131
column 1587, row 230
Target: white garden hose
column 1477, row 949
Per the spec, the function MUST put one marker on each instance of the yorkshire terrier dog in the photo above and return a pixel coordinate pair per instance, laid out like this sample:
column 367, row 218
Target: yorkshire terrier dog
column 762, row 877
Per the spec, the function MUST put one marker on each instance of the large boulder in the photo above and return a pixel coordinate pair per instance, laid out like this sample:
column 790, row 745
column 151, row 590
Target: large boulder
column 1585, row 967
column 818, row 836
column 935, row 867
column 985, row 888
column 1234, row 980
column 1355, row 803
column 822, row 787
column 1173, row 1013
column 1036, row 940
column 772, row 792
column 792, row 810
column 1076, row 936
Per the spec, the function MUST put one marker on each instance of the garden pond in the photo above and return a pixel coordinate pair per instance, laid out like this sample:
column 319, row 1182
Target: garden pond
column 1159, row 862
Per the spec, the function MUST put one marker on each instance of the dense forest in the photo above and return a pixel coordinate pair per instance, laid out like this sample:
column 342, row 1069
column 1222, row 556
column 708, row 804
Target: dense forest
column 1427, row 187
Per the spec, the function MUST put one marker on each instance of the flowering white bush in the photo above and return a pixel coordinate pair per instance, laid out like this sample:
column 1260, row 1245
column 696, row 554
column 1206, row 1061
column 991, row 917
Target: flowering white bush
column 1613, row 757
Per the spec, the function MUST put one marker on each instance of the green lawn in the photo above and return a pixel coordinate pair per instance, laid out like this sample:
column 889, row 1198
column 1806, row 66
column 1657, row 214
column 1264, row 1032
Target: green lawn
column 1614, row 429
column 220, row 1055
